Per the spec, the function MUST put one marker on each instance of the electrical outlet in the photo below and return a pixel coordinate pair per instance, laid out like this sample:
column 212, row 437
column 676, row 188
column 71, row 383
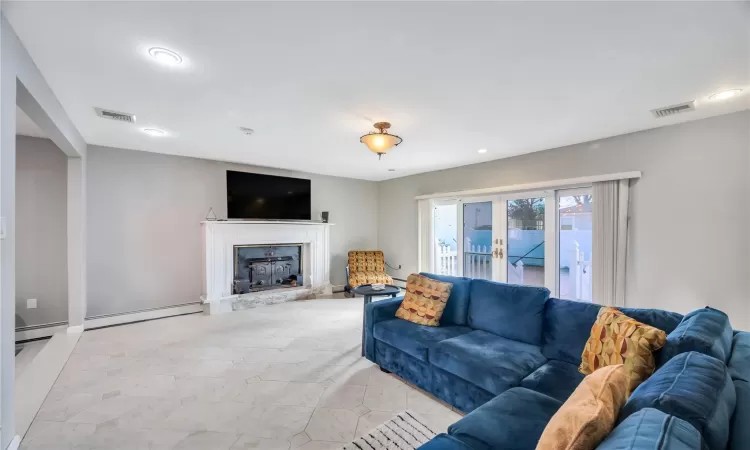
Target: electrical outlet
column 31, row 303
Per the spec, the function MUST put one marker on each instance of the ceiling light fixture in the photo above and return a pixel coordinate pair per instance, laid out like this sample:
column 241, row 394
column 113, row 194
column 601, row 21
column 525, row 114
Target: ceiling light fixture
column 482, row 150
column 165, row 56
column 155, row 132
column 380, row 141
column 725, row 95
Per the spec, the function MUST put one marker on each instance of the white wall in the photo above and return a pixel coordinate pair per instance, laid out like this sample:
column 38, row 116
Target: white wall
column 689, row 244
column 41, row 233
column 143, row 233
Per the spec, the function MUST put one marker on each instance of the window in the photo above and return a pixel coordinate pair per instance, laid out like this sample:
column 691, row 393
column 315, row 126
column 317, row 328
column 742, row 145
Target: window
column 574, row 244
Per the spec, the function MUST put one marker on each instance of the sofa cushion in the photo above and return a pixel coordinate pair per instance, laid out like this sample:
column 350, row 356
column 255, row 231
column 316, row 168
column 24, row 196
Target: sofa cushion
column 694, row 387
column 567, row 326
column 508, row 310
column 739, row 362
column 444, row 442
column 557, row 379
column 513, row 420
column 457, row 309
column 666, row 321
column 740, row 434
column 651, row 429
column 587, row 417
column 704, row 330
column 488, row 361
column 619, row 339
column 412, row 338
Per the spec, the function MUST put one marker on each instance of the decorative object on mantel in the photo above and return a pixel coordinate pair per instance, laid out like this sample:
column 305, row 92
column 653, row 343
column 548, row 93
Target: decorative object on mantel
column 403, row 432
column 324, row 216
column 380, row 141
column 211, row 214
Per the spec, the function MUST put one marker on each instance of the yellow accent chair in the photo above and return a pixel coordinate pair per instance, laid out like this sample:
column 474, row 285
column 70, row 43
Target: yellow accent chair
column 366, row 267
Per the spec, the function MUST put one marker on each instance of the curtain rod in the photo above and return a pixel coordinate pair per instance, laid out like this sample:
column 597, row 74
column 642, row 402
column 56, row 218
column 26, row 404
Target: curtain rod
column 556, row 184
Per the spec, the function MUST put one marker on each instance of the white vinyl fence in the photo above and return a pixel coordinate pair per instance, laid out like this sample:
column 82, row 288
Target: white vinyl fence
column 477, row 260
column 574, row 285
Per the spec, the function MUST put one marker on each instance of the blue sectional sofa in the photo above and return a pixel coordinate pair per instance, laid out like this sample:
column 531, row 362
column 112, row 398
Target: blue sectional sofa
column 508, row 356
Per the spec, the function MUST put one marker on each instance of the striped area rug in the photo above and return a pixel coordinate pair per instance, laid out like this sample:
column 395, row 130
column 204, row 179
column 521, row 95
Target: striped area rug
column 405, row 431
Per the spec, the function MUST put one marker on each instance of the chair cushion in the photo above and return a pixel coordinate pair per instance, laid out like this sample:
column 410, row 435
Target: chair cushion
column 587, row 417
column 694, row 387
column 740, row 434
column 619, row 339
column 414, row 339
column 485, row 360
column 444, row 442
column 366, row 261
column 508, row 310
column 424, row 301
column 513, row 420
column 457, row 309
column 651, row 429
column 706, row 330
column 739, row 362
column 567, row 326
column 557, row 379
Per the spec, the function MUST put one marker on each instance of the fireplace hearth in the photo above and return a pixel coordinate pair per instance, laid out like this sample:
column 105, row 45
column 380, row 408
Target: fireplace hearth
column 265, row 267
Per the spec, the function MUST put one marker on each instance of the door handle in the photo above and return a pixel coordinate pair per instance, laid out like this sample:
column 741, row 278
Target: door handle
column 497, row 253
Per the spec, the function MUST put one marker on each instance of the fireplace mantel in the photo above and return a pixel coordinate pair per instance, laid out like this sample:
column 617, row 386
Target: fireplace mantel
column 220, row 237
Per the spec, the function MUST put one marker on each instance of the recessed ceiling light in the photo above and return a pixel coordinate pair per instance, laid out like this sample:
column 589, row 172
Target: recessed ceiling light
column 165, row 56
column 725, row 95
column 482, row 150
column 154, row 132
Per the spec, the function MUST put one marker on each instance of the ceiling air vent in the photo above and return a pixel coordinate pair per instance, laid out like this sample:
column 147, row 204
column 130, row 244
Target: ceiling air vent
column 115, row 115
column 674, row 109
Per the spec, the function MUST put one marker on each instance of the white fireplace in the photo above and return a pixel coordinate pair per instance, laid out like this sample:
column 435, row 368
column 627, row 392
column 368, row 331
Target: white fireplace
column 221, row 237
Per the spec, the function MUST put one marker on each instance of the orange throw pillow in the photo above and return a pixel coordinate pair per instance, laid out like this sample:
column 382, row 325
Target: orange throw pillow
column 590, row 413
column 618, row 339
column 424, row 301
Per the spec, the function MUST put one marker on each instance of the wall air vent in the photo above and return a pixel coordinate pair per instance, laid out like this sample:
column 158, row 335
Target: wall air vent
column 674, row 109
column 115, row 115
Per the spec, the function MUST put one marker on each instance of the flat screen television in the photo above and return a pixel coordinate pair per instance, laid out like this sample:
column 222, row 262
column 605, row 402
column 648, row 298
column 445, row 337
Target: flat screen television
column 257, row 196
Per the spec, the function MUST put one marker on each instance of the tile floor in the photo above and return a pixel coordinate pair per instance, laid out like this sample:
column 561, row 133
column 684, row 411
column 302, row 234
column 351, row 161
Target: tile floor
column 272, row 378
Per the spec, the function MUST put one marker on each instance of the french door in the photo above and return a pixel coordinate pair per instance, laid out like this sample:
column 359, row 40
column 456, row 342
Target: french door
column 533, row 238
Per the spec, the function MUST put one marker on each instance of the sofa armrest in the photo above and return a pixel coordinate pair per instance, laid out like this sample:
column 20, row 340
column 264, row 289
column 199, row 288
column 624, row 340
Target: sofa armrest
column 375, row 312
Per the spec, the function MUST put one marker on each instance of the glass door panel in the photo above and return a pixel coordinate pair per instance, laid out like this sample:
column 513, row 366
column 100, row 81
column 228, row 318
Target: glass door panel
column 525, row 260
column 574, row 244
column 477, row 240
column 445, row 250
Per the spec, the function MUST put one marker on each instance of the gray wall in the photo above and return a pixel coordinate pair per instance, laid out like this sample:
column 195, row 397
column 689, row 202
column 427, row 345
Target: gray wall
column 41, row 232
column 143, row 231
column 688, row 244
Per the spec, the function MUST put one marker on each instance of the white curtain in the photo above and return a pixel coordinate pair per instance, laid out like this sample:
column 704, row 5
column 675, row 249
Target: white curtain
column 610, row 233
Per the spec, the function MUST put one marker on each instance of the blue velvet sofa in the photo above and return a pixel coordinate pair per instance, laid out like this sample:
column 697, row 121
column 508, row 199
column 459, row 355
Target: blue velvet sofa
column 508, row 356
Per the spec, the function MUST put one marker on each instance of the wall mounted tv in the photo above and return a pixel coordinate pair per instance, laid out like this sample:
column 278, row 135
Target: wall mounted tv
column 257, row 196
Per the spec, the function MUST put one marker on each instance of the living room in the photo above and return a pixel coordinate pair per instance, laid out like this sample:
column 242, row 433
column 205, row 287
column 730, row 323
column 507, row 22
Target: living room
column 185, row 205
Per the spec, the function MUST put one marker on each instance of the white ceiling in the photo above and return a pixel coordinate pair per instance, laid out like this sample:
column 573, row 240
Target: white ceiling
column 452, row 77
column 27, row 127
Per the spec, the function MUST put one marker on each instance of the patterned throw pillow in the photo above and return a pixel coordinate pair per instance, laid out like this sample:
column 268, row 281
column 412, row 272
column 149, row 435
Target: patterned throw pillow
column 618, row 339
column 424, row 301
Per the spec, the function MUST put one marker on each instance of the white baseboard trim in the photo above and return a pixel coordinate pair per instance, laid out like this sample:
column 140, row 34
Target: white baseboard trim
column 15, row 443
column 118, row 319
column 41, row 332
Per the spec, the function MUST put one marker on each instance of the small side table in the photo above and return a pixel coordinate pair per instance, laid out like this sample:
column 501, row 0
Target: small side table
column 368, row 292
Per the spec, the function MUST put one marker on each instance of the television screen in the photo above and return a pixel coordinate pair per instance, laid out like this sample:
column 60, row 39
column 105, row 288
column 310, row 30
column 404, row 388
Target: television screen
column 256, row 196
